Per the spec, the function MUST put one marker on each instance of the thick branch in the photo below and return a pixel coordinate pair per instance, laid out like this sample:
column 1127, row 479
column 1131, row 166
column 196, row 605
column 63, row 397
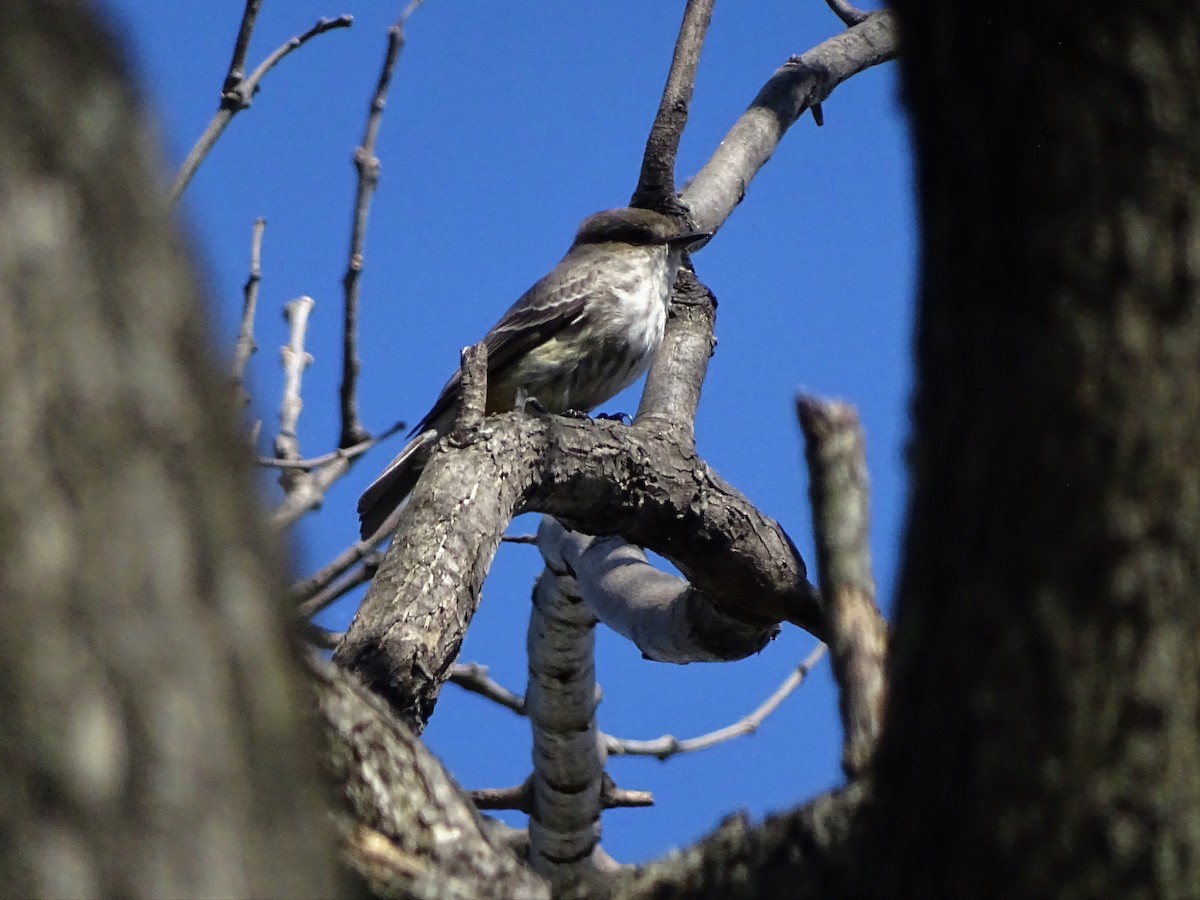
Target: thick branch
column 619, row 480
column 800, row 855
column 568, row 765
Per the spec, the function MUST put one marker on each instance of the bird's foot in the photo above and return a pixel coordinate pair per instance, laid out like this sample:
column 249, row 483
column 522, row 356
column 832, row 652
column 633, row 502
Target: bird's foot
column 623, row 418
column 575, row 414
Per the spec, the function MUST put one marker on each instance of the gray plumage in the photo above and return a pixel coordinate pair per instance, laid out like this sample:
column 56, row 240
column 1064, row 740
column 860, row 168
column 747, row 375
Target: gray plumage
column 582, row 334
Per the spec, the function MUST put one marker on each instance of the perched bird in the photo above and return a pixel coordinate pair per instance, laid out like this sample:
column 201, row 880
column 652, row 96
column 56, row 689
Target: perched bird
column 583, row 333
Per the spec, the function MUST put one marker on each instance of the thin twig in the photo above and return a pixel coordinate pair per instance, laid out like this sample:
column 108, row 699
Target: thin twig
column 295, row 360
column 366, row 164
column 668, row 745
column 315, row 462
column 360, row 551
column 245, row 345
column 837, row 467
column 238, row 91
column 334, row 592
column 849, row 15
column 474, row 678
column 656, row 183
column 321, row 638
column 520, row 538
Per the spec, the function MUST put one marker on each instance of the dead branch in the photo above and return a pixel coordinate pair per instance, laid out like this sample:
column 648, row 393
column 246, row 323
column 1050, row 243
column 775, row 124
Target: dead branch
column 366, row 165
column 838, row 490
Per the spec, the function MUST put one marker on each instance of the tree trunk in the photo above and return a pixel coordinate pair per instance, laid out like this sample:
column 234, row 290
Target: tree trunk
column 1042, row 738
column 153, row 740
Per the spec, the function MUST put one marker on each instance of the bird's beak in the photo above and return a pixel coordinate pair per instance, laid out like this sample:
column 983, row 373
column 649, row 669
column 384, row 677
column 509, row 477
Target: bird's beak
column 687, row 240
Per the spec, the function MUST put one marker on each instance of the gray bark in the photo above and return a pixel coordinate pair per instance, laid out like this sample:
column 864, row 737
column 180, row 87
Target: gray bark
column 153, row 735
column 408, row 827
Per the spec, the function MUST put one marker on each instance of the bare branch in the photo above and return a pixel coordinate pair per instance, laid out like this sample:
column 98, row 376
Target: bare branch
column 315, row 462
column 245, row 345
column 838, row 489
column 656, row 184
column 359, row 551
column 613, row 797
column 519, row 797
column 333, row 592
column 619, row 480
column 307, row 492
column 237, row 66
column 321, row 638
column 849, row 15
column 295, row 360
column 668, row 746
column 474, row 678
column 798, row 85
column 672, row 391
column 366, row 164
column 238, row 92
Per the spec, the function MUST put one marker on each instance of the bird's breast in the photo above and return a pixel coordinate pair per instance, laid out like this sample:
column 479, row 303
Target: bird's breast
column 611, row 342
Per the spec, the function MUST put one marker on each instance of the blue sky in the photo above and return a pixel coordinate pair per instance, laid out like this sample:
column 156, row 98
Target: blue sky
column 507, row 124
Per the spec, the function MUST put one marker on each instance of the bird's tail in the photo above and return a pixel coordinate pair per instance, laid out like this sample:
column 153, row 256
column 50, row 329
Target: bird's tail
column 390, row 489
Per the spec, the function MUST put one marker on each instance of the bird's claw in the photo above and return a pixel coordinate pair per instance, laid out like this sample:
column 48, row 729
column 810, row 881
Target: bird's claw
column 575, row 414
column 623, row 418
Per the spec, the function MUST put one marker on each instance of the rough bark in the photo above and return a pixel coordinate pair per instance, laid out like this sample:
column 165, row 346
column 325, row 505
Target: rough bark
column 1045, row 739
column 802, row 854
column 153, row 740
column 632, row 481
column 408, row 829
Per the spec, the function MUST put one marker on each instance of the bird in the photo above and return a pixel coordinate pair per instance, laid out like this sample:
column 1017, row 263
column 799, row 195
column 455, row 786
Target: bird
column 580, row 335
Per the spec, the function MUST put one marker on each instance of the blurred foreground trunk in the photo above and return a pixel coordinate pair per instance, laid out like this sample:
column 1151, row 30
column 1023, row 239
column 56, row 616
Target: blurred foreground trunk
column 153, row 740
column 1043, row 737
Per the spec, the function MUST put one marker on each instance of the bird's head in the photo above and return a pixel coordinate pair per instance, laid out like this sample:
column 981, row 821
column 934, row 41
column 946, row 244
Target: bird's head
column 639, row 227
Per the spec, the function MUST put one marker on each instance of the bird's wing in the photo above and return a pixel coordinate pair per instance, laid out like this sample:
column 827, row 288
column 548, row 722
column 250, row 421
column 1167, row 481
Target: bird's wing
column 541, row 312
